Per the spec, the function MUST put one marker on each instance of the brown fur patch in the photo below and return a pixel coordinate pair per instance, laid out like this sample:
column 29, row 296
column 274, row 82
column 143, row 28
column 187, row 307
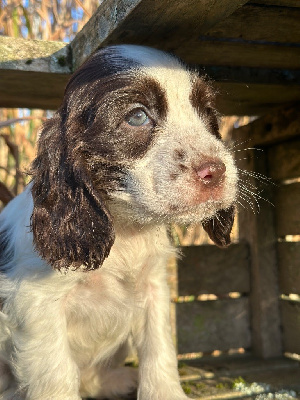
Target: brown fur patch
column 83, row 152
column 203, row 100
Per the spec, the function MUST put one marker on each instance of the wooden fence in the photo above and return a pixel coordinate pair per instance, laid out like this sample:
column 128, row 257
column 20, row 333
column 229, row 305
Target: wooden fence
column 247, row 296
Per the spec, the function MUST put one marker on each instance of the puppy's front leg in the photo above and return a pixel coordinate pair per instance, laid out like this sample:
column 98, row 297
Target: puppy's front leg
column 41, row 358
column 158, row 374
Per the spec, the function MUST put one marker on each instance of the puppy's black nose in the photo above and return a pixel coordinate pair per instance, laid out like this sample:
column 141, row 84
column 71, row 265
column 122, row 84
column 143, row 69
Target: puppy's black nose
column 211, row 172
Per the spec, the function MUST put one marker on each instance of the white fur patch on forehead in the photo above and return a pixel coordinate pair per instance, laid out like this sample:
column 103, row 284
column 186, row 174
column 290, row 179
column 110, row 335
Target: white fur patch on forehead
column 149, row 57
column 171, row 74
column 162, row 66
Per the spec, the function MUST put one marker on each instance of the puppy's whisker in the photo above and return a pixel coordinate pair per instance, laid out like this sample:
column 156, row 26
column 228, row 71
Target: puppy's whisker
column 249, row 202
column 233, row 145
column 248, row 148
column 260, row 177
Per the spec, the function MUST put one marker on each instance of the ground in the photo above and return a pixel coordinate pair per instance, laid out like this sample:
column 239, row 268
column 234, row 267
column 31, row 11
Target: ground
column 240, row 378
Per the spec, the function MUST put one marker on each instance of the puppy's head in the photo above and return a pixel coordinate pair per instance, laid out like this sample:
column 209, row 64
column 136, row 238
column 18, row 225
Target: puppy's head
column 136, row 136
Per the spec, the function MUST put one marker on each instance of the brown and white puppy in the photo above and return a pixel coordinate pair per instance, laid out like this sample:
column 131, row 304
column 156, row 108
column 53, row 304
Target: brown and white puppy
column 134, row 146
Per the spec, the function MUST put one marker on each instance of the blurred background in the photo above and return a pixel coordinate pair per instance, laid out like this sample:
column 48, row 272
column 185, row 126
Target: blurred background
column 57, row 20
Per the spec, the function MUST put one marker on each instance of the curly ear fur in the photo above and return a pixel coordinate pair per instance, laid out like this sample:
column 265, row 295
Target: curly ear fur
column 71, row 224
column 76, row 168
column 219, row 227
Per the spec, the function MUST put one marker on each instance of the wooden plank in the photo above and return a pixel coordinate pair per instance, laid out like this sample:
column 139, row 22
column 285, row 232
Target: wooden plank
column 32, row 89
column 291, row 326
column 108, row 17
column 279, row 3
column 208, row 269
column 210, row 51
column 277, row 126
column 33, row 73
column 289, row 267
column 259, row 231
column 250, row 75
column 261, row 24
column 213, row 325
column 287, row 209
column 34, row 55
column 245, row 91
column 254, row 99
column 168, row 24
column 284, row 160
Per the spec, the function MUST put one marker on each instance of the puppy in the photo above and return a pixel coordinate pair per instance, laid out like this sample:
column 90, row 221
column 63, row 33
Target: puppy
column 134, row 146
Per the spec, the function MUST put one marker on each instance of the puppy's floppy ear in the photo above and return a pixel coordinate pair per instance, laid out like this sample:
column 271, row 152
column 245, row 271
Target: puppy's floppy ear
column 219, row 227
column 71, row 224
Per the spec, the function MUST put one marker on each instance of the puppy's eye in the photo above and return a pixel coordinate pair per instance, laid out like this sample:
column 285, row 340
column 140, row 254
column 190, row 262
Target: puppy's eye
column 137, row 117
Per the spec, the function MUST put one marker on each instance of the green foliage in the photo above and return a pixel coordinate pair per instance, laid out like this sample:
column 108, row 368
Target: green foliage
column 237, row 381
column 186, row 387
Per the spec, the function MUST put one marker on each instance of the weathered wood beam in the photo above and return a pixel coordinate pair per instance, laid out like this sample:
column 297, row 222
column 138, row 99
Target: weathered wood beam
column 164, row 24
column 287, row 202
column 284, row 162
column 291, row 326
column 33, row 73
column 252, row 76
column 277, row 126
column 289, row 267
column 205, row 326
column 34, row 55
column 253, row 91
column 206, row 50
column 261, row 24
column 208, row 269
column 279, row 3
column 254, row 99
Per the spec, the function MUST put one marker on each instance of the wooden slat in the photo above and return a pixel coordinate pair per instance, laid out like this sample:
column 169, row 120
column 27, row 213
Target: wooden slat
column 284, row 160
column 108, row 17
column 213, row 325
column 245, row 90
column 210, row 51
column 264, row 74
column 291, row 326
column 289, row 267
column 33, row 73
column 168, row 24
column 277, row 126
column 287, row 209
column 34, row 55
column 208, row 269
column 32, row 89
column 251, row 91
column 254, row 99
column 261, row 24
column 279, row 3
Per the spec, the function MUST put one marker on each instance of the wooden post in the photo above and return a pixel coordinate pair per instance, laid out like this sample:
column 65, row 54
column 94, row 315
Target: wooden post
column 258, row 229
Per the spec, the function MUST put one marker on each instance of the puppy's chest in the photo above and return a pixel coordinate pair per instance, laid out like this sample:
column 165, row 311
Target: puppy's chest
column 118, row 287
column 103, row 308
